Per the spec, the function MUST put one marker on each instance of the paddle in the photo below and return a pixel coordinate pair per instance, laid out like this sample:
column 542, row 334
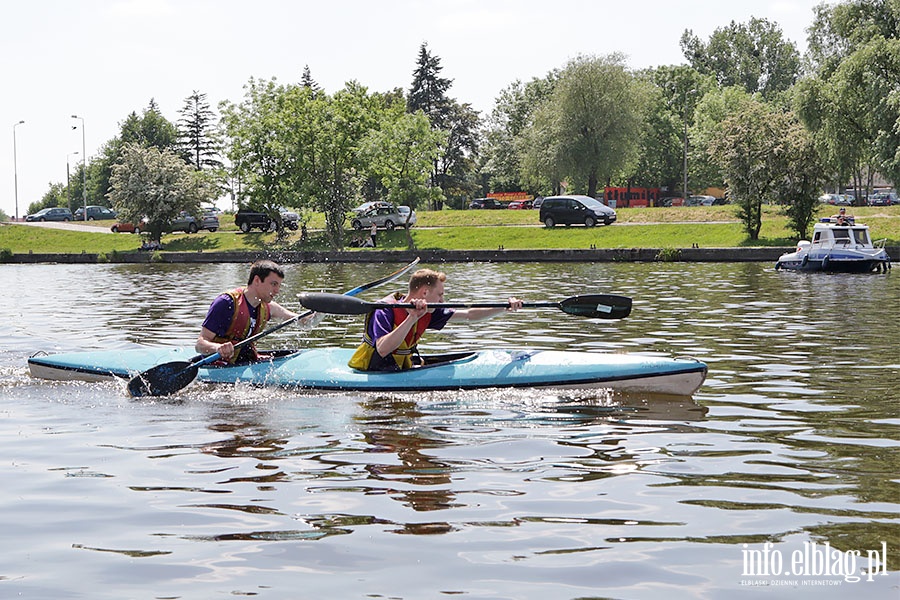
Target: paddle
column 170, row 377
column 598, row 306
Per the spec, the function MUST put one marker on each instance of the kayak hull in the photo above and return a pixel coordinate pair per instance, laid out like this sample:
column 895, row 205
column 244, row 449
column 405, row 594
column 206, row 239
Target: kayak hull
column 326, row 369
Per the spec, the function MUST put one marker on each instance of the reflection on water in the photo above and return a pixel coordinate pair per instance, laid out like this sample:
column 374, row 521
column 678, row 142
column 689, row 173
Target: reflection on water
column 793, row 440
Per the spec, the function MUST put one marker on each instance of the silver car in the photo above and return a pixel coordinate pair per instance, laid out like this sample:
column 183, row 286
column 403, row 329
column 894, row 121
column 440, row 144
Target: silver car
column 384, row 215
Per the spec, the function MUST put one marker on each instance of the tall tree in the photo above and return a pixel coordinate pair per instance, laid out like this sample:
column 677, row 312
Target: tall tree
column 754, row 56
column 751, row 153
column 457, row 156
column 804, row 175
column 852, row 102
column 428, row 91
column 400, row 154
column 307, row 81
column 596, row 115
column 512, row 114
column 335, row 129
column 155, row 184
column 198, row 139
column 264, row 149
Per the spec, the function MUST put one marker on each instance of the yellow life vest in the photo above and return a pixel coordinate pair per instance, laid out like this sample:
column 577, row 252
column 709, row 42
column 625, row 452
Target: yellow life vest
column 362, row 358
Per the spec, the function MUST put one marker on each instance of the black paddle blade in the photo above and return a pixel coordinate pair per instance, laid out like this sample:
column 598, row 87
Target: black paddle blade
column 335, row 304
column 162, row 380
column 597, row 306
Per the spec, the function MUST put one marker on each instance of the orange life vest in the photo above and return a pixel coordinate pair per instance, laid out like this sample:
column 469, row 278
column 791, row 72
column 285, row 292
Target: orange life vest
column 240, row 322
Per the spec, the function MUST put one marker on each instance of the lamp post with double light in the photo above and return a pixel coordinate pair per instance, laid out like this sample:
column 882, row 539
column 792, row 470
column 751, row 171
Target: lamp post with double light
column 16, row 169
column 83, row 167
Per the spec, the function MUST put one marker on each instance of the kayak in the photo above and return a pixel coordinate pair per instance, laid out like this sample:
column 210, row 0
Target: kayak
column 326, row 369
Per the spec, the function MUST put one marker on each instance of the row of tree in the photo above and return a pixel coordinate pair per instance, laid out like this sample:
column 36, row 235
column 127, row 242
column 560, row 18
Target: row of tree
column 747, row 112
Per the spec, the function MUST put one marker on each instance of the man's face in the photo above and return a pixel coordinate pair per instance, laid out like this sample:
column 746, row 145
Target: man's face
column 269, row 287
column 434, row 294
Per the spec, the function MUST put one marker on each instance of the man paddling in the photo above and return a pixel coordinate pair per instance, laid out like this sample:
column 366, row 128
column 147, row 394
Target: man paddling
column 391, row 334
column 243, row 312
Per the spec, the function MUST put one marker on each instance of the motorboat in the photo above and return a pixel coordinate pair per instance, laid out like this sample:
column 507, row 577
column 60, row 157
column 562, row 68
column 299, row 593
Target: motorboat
column 838, row 246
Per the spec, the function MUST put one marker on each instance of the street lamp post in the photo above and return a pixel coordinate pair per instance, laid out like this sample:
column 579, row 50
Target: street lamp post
column 16, row 169
column 83, row 168
column 68, row 185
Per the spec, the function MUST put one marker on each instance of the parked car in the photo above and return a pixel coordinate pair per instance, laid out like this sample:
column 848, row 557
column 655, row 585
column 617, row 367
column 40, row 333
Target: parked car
column 520, row 205
column 700, row 201
column 486, row 203
column 835, row 199
column 882, row 199
column 383, row 214
column 365, row 206
column 51, row 214
column 188, row 223
column 127, row 227
column 537, row 202
column 570, row 210
column 246, row 220
column 289, row 219
column 405, row 213
column 98, row 213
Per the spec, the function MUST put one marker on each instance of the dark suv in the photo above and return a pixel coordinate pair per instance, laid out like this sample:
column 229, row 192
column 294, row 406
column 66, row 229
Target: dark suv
column 571, row 210
column 486, row 203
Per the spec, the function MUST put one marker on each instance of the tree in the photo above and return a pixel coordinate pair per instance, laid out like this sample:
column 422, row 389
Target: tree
column 709, row 115
column 456, row 159
column 852, row 103
column 594, row 120
column 670, row 118
column 264, row 132
column 754, row 56
column 307, row 81
column 151, row 129
column 428, row 91
column 400, row 154
column 804, row 176
column 198, row 140
column 513, row 113
column 751, row 152
column 157, row 185
column 331, row 136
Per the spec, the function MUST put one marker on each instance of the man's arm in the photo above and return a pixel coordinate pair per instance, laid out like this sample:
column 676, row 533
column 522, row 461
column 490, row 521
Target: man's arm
column 390, row 341
column 206, row 346
column 479, row 314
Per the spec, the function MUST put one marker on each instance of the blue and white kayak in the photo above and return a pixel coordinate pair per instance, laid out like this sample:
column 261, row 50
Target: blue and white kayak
column 326, row 369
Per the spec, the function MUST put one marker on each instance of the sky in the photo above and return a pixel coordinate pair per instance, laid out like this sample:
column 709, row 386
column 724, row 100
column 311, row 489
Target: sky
column 104, row 59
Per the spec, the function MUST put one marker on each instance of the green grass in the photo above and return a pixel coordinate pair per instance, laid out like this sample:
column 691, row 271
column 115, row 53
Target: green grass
column 708, row 227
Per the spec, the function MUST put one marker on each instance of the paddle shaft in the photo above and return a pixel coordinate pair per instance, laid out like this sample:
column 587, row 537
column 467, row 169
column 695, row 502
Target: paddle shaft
column 602, row 306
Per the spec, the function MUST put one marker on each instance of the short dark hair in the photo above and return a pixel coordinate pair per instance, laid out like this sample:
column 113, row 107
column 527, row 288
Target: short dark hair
column 262, row 269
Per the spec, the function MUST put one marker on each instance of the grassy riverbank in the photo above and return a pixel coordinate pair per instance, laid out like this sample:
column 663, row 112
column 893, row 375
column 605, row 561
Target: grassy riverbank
column 706, row 227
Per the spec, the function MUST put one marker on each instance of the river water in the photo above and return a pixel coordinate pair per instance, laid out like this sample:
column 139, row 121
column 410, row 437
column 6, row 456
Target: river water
column 778, row 479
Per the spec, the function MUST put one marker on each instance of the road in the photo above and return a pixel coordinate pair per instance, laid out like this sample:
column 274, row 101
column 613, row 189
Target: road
column 70, row 226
